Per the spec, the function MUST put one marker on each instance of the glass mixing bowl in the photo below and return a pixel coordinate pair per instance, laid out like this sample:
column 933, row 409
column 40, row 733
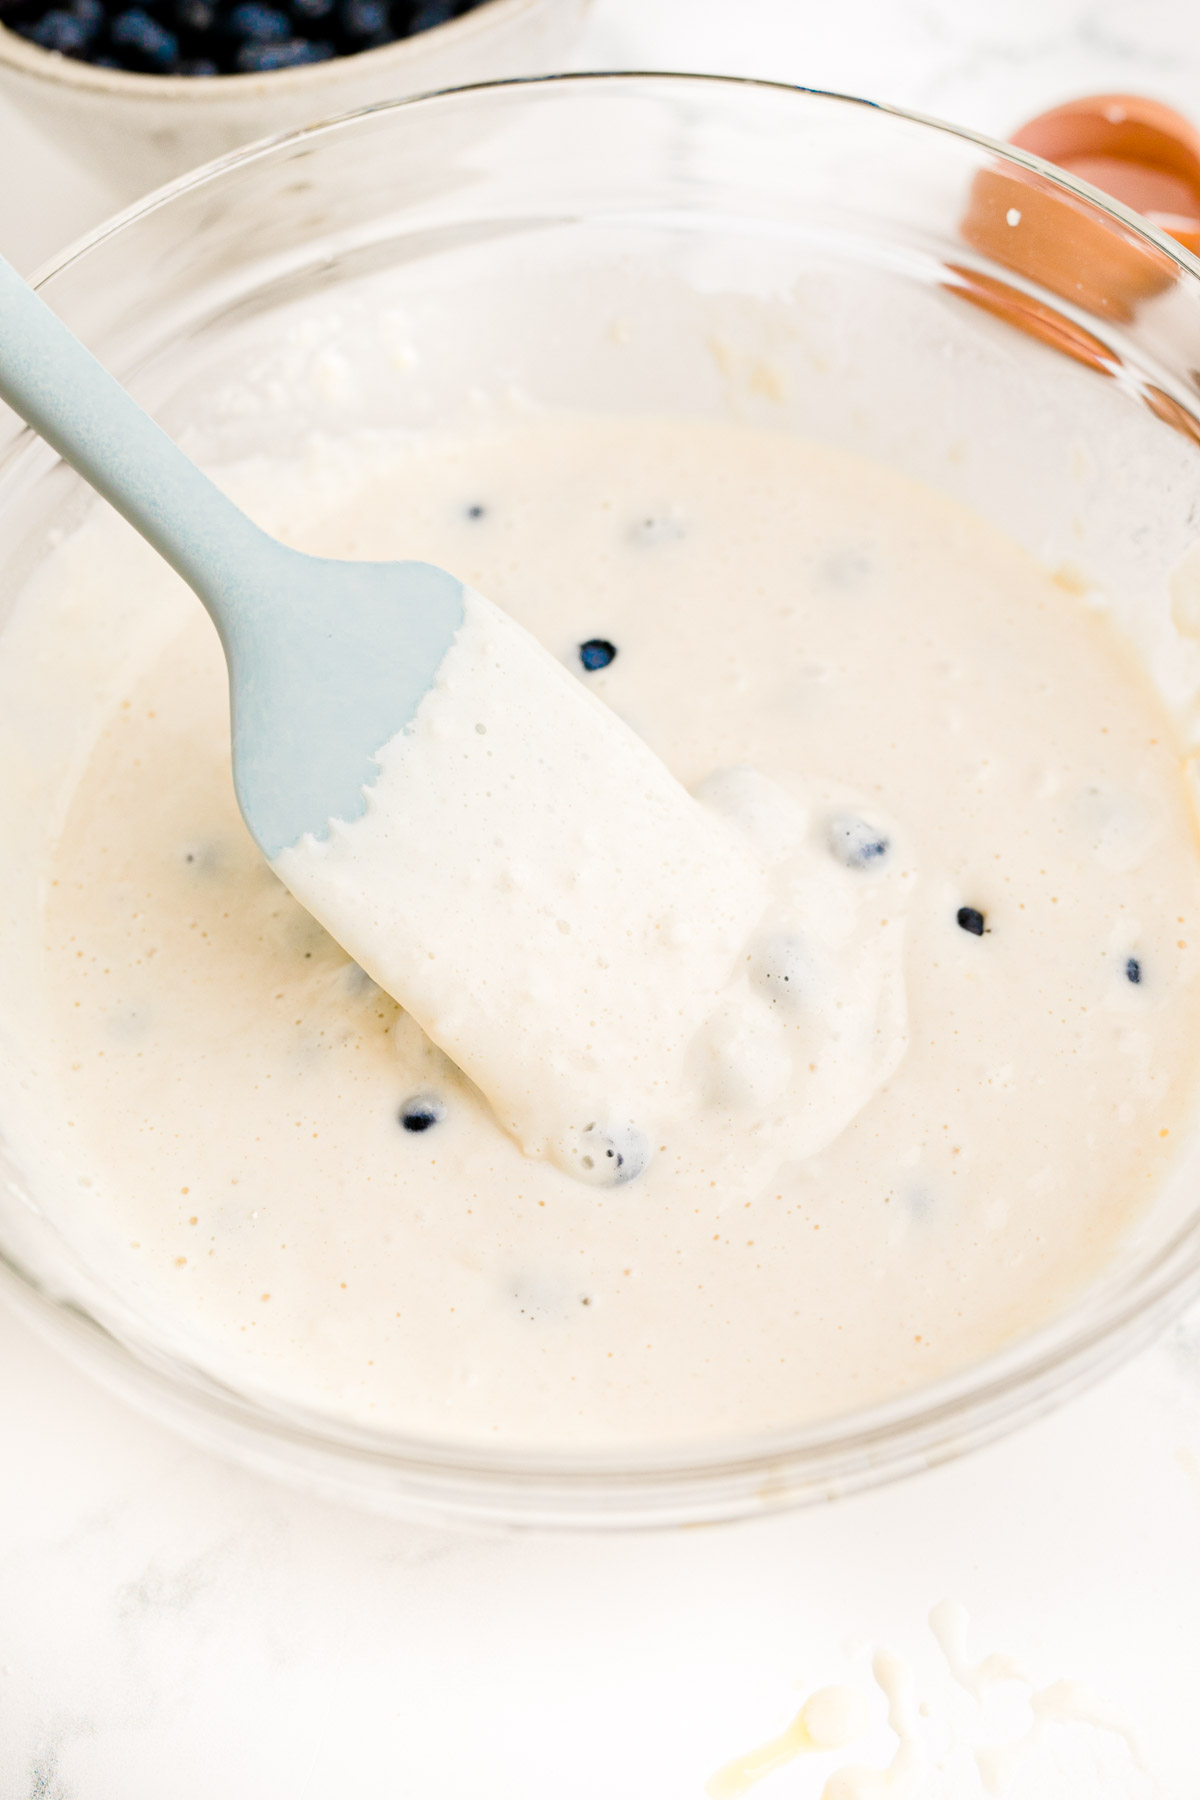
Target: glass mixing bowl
column 795, row 260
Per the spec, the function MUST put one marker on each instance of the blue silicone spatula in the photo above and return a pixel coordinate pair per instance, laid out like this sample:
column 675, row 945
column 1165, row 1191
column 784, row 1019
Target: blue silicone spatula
column 327, row 660
column 329, row 665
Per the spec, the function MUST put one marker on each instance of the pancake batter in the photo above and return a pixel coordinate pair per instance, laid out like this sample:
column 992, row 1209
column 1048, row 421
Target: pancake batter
column 986, row 958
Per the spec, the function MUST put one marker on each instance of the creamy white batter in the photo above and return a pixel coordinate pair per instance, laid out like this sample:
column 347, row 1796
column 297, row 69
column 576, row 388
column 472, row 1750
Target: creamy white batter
column 608, row 959
column 952, row 772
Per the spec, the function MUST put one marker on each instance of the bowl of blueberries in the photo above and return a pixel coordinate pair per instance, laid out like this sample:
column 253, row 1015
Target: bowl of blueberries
column 144, row 90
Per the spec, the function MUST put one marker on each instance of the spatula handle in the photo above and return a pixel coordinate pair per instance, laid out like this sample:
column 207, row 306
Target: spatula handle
column 56, row 385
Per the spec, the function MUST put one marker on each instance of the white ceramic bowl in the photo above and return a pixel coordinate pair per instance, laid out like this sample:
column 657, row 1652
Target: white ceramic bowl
column 138, row 131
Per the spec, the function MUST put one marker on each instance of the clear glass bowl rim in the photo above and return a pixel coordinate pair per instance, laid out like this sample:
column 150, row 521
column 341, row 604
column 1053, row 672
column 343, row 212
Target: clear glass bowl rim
column 686, row 1484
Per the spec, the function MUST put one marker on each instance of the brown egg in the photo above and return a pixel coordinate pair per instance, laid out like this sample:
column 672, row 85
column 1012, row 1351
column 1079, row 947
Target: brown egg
column 1137, row 150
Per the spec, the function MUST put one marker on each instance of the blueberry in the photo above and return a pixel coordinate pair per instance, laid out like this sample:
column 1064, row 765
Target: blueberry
column 845, row 568
column 540, row 1296
column 597, row 653
column 197, row 16
column 970, row 919
column 260, row 59
column 610, row 1155
column 1133, row 970
column 260, row 24
column 782, row 968
column 476, row 511
column 197, row 65
column 422, row 1112
column 61, row 31
column 921, row 1202
column 657, row 528
column 431, row 13
column 856, row 843
column 204, row 855
column 145, row 43
column 366, row 19
column 311, row 12
column 69, row 33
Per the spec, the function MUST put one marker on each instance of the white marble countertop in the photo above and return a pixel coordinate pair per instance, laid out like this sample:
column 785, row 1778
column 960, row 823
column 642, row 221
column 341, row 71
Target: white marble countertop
column 173, row 1629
